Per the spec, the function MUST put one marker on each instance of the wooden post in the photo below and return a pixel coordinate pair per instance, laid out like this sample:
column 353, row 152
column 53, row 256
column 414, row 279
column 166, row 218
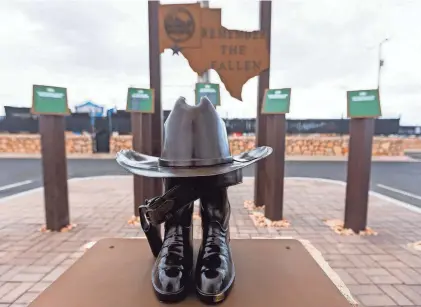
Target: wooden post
column 155, row 83
column 54, row 167
column 261, row 128
column 141, row 131
column 275, row 165
column 358, row 177
column 147, row 128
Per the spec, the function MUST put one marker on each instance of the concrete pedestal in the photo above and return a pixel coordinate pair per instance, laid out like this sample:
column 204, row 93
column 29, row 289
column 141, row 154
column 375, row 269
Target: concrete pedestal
column 117, row 272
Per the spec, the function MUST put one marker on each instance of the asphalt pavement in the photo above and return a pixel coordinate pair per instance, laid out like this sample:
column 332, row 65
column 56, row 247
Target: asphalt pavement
column 399, row 180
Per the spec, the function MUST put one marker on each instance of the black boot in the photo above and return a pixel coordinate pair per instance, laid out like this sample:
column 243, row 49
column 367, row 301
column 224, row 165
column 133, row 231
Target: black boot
column 172, row 269
column 215, row 272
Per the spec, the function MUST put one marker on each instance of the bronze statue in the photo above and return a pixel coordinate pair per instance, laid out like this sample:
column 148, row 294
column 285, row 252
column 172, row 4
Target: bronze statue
column 196, row 163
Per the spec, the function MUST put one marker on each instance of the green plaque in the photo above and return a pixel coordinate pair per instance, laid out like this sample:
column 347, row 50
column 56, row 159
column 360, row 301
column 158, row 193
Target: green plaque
column 49, row 100
column 140, row 100
column 363, row 104
column 210, row 90
column 276, row 101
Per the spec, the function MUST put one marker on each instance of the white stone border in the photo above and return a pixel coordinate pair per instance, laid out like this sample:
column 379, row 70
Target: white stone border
column 330, row 273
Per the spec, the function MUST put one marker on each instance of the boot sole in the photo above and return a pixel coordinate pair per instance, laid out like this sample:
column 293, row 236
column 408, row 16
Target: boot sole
column 172, row 297
column 213, row 299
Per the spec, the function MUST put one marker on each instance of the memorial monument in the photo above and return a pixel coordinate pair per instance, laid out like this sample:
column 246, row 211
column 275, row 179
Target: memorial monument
column 196, row 163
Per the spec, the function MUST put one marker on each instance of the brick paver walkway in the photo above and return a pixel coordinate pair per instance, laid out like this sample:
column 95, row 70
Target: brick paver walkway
column 379, row 270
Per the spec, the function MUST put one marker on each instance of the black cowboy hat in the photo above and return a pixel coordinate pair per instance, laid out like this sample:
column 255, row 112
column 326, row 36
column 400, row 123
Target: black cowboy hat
column 195, row 145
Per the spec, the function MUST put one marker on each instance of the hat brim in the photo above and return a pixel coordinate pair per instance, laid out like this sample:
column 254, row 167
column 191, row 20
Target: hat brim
column 148, row 166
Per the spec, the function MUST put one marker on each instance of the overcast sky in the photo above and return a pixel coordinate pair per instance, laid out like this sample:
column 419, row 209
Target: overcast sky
column 321, row 49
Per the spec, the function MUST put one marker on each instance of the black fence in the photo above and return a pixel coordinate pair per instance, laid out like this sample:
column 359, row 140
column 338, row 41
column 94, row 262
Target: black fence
column 19, row 120
column 409, row 130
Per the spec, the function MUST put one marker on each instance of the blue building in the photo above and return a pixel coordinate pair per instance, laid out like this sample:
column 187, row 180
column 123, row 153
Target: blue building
column 93, row 109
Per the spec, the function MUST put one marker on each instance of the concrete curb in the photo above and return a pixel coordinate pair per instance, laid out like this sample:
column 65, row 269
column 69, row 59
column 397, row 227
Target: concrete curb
column 106, row 156
column 7, row 198
column 68, row 156
column 331, row 181
column 372, row 193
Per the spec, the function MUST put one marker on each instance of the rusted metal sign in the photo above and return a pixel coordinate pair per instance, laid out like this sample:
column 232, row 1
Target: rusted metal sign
column 179, row 26
column 197, row 33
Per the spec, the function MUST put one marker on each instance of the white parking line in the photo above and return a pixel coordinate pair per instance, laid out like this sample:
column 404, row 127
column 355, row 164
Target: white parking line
column 399, row 191
column 14, row 185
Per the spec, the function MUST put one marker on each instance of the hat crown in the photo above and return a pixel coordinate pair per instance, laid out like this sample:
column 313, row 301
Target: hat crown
column 194, row 136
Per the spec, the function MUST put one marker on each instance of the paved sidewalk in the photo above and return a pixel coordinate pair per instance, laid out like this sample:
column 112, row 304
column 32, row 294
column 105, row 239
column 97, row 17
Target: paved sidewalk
column 379, row 270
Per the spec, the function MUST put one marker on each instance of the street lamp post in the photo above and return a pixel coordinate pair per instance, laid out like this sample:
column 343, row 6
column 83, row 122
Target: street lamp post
column 205, row 77
column 381, row 62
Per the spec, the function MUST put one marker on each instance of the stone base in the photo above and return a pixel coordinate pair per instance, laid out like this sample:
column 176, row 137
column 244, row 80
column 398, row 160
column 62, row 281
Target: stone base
column 117, row 272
